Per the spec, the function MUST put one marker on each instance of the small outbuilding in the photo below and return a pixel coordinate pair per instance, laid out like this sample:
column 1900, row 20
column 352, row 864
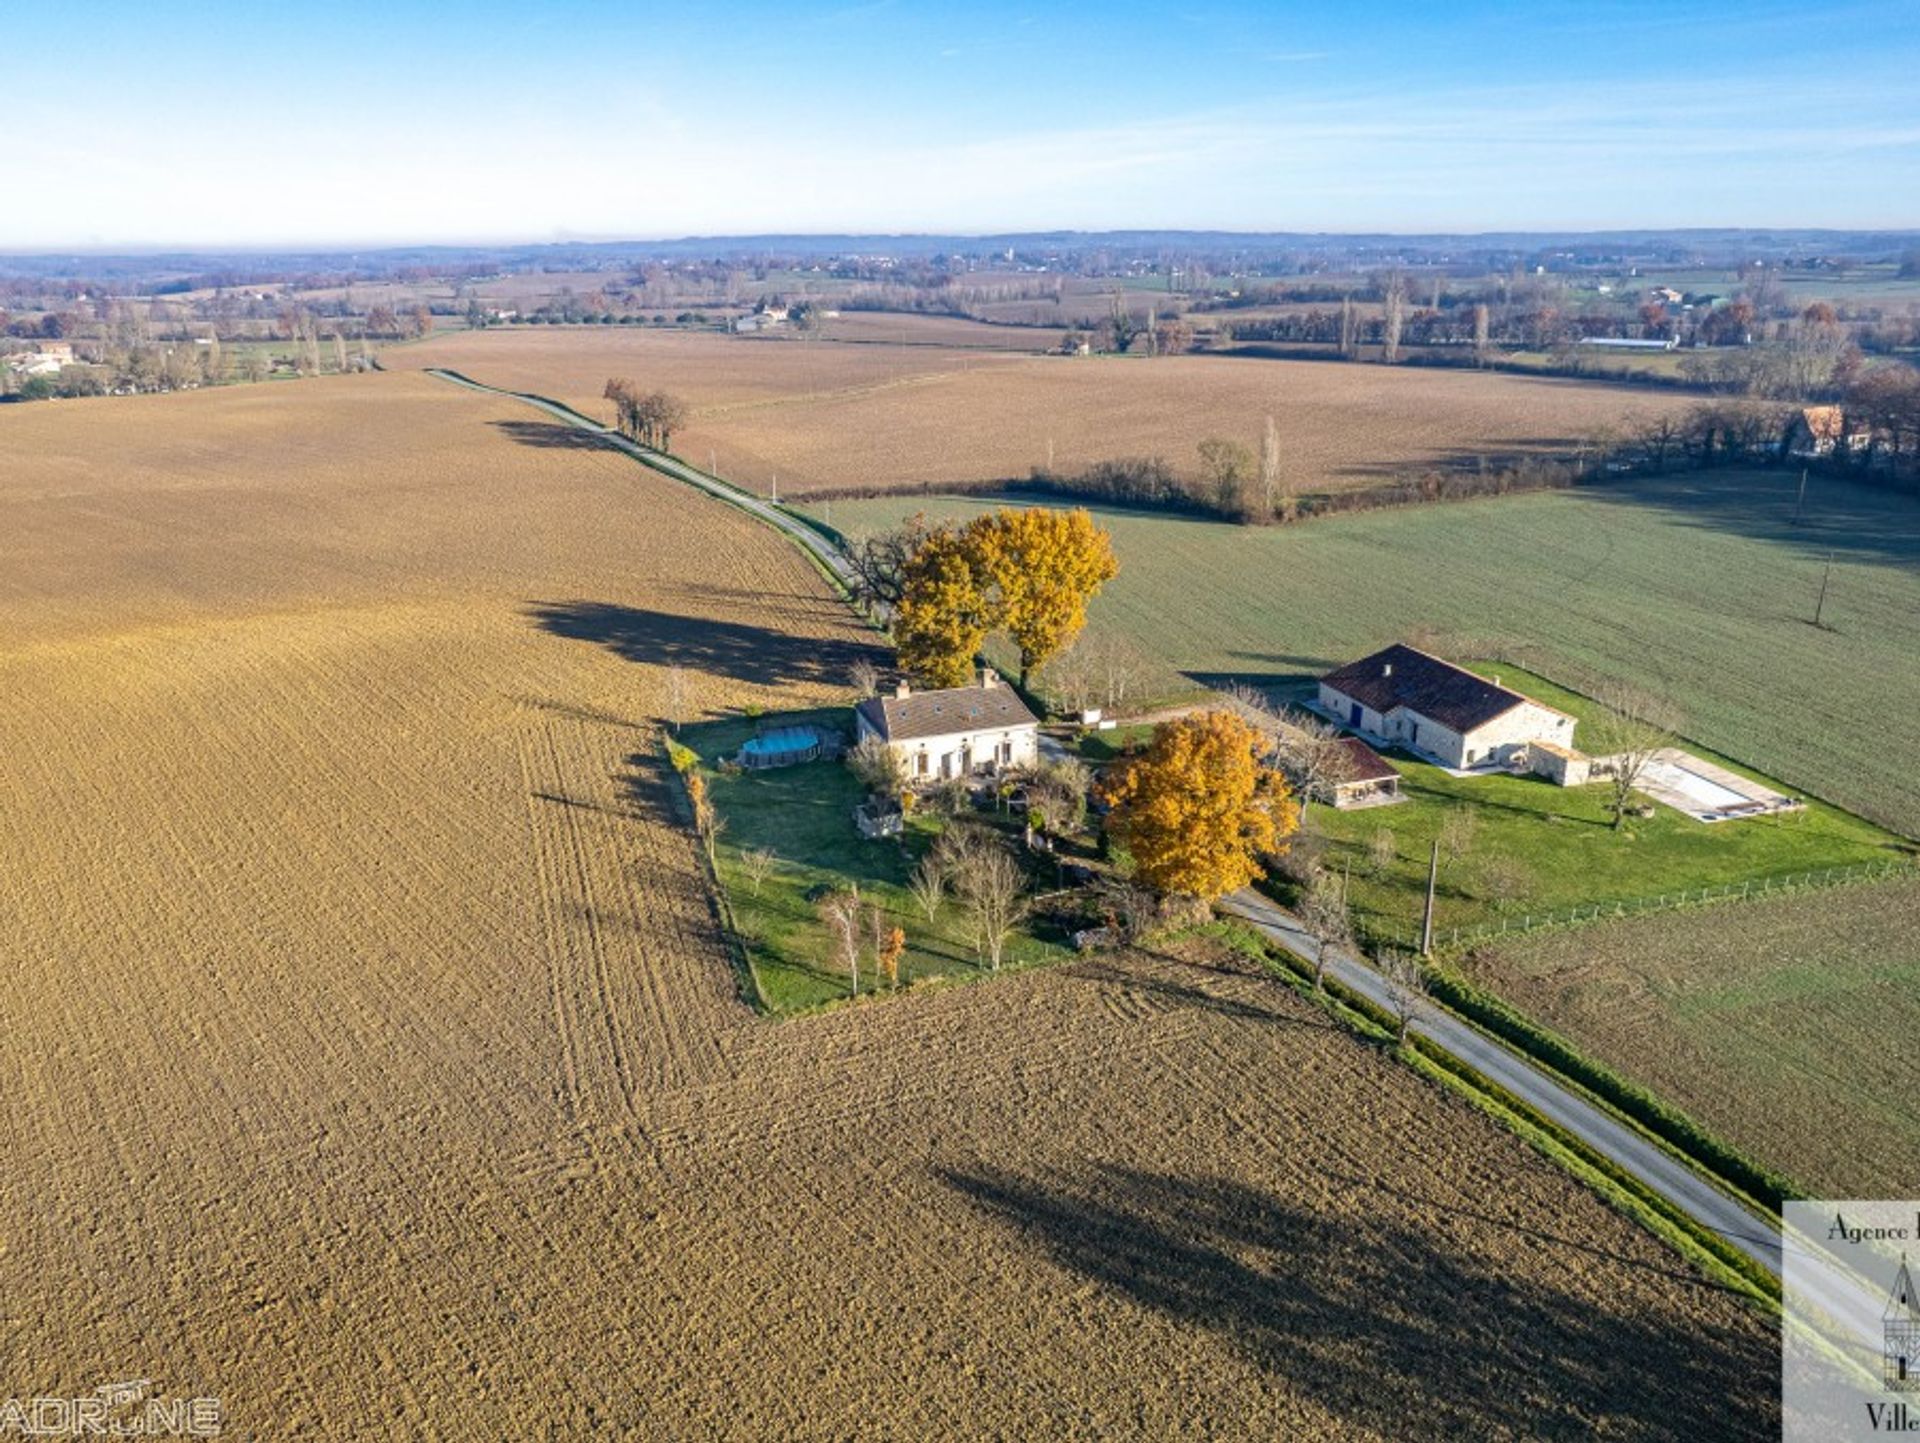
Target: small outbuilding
column 1366, row 779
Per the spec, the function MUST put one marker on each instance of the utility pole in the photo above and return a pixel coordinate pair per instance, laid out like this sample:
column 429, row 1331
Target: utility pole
column 1800, row 506
column 776, row 488
column 1825, row 576
column 1426, row 922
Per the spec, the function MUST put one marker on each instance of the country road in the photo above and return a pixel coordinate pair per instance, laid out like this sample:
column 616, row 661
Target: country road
column 1757, row 1235
column 810, row 540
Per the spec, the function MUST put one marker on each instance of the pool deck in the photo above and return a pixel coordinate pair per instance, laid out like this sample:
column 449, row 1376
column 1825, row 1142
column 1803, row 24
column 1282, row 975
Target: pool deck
column 1748, row 797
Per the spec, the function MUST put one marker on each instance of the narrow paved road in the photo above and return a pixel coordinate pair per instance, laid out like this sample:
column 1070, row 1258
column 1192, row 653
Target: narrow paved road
column 1758, row 1236
column 1755, row 1235
column 818, row 546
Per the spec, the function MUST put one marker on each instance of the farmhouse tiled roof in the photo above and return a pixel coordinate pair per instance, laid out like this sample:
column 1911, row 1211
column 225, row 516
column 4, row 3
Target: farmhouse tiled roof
column 1435, row 689
column 1824, row 423
column 1363, row 764
column 942, row 713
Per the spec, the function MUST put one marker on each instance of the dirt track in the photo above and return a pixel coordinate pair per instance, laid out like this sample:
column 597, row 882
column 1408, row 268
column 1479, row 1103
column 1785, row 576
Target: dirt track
column 372, row 1062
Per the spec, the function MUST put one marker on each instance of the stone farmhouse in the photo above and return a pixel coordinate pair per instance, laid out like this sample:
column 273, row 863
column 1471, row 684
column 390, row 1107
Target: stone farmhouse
column 1406, row 698
column 963, row 731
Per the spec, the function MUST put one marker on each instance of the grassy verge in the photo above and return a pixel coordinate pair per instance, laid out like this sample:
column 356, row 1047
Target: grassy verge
column 1673, row 1127
column 1713, row 1255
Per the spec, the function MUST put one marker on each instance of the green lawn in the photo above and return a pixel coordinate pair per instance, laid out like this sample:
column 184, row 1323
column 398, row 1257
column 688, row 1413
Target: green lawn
column 1538, row 847
column 1698, row 587
column 805, row 815
column 1558, row 849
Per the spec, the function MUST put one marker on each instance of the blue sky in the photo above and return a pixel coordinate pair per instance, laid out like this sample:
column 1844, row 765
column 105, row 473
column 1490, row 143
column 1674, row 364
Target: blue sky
column 351, row 122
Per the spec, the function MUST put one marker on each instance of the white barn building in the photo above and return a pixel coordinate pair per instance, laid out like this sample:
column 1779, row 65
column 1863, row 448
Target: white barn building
column 960, row 731
column 1432, row 707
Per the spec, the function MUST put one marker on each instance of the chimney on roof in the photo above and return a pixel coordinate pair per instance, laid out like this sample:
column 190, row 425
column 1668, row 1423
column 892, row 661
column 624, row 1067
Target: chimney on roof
column 903, row 690
column 989, row 678
column 1387, row 669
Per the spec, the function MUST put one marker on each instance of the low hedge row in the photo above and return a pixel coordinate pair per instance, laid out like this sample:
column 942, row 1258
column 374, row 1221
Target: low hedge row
column 1662, row 1120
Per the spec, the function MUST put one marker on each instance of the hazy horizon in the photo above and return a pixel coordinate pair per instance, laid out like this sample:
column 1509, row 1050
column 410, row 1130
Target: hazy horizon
column 365, row 125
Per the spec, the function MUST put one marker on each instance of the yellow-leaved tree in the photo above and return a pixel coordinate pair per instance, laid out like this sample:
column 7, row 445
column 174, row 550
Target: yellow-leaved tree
column 1198, row 808
column 1028, row 572
column 944, row 614
column 1044, row 566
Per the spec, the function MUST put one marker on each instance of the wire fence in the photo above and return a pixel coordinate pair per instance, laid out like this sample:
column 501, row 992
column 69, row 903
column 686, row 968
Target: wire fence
column 1515, row 924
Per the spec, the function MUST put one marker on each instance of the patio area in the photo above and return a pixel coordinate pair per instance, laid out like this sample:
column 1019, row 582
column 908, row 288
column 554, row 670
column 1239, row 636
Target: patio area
column 1706, row 792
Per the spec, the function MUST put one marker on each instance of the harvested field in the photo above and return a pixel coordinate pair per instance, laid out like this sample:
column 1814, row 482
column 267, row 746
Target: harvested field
column 1733, row 1012
column 716, row 374
column 894, row 328
column 372, row 1062
column 823, row 416
column 1698, row 587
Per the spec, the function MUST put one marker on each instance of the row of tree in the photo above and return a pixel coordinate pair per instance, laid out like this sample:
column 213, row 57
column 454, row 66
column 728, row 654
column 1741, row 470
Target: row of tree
column 648, row 417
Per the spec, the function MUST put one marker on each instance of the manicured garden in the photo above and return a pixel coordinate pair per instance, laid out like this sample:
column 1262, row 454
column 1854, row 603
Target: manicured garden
column 803, row 816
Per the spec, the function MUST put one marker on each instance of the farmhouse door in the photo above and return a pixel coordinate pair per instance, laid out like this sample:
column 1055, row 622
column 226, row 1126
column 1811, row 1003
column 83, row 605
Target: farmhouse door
column 1353, row 716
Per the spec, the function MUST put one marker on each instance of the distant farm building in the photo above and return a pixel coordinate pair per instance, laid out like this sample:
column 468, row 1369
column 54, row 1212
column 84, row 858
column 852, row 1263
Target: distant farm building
column 1433, row 708
column 1820, row 431
column 961, row 731
column 1628, row 343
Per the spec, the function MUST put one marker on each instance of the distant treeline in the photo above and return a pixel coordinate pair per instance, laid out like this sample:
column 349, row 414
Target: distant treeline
column 1878, row 441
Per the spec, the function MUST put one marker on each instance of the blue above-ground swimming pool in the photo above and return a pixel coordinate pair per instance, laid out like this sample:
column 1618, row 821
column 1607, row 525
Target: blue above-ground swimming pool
column 781, row 747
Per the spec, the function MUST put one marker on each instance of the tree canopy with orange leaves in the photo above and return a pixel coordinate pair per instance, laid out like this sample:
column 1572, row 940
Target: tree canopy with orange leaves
column 1030, row 573
column 944, row 613
column 1198, row 808
column 1045, row 564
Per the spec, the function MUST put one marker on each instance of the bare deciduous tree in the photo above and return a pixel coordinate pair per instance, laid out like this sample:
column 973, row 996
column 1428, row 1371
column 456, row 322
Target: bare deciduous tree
column 676, row 680
column 865, row 677
column 878, row 767
column 928, row 884
column 757, row 864
column 1456, row 832
column 1394, row 298
column 1383, row 850
column 992, row 889
column 1504, row 880
column 840, row 911
column 1627, row 731
column 1229, row 470
column 1327, row 920
column 1405, row 981
column 1277, row 498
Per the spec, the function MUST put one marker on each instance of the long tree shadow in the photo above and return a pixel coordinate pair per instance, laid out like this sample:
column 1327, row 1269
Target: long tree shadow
column 549, row 435
column 1382, row 1325
column 742, row 652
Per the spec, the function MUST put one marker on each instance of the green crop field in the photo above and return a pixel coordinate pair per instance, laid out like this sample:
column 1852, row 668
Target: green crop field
column 1699, row 587
column 1782, row 1024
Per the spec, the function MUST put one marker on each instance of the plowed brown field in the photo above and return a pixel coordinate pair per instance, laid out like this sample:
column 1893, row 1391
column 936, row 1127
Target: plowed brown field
column 820, row 415
column 372, row 1063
